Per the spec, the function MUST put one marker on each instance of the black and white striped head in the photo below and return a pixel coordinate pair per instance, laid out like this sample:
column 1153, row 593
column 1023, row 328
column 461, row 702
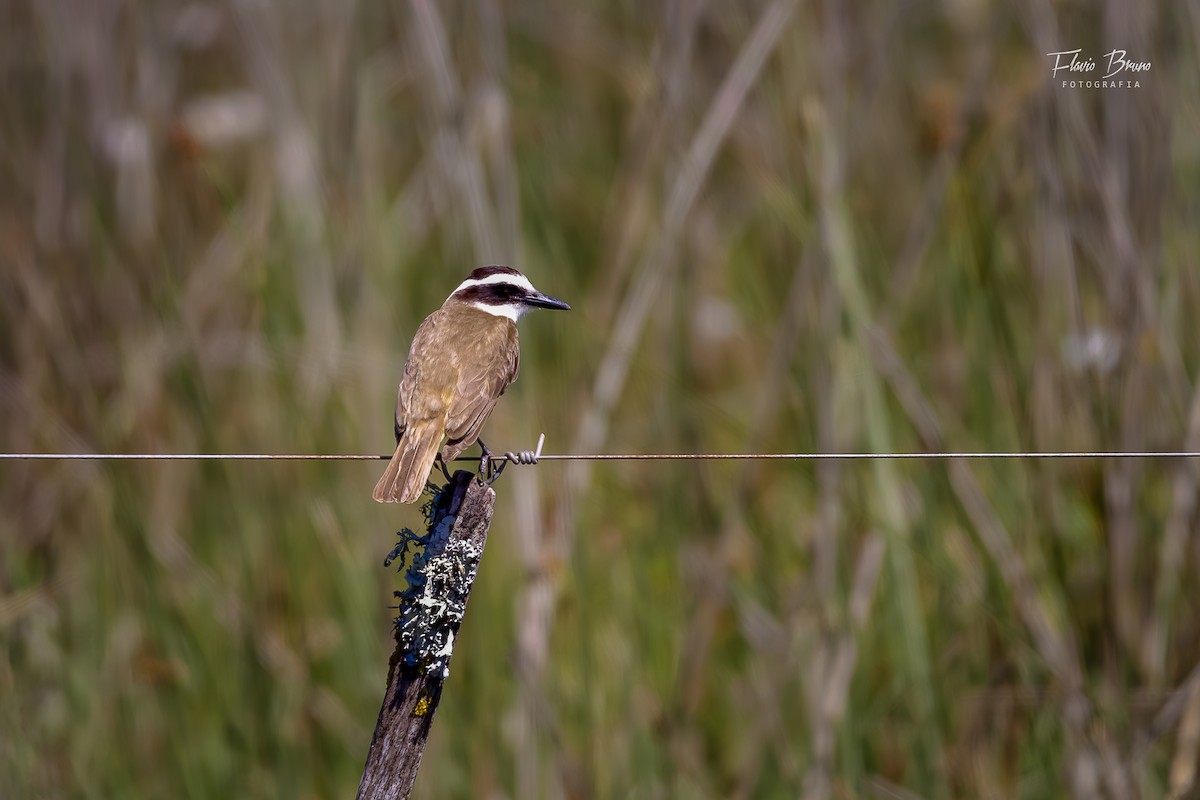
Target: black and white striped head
column 504, row 292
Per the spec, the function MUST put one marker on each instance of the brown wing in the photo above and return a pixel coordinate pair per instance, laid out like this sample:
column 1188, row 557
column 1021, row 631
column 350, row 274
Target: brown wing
column 401, row 419
column 489, row 367
column 428, row 370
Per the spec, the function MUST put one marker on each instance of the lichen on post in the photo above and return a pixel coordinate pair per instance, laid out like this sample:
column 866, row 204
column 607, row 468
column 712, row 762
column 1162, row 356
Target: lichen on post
column 431, row 611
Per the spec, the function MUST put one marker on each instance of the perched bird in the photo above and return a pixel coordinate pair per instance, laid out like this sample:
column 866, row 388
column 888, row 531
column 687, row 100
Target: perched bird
column 462, row 358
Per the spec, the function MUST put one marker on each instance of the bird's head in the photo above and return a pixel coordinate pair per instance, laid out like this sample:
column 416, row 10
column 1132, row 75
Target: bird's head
column 502, row 291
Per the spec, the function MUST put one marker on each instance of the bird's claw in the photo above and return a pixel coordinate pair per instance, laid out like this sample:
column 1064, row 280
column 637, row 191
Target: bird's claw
column 496, row 471
column 485, row 464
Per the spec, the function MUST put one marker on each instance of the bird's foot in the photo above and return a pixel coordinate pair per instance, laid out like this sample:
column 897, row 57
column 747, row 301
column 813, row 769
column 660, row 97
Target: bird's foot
column 526, row 457
column 441, row 462
column 486, row 473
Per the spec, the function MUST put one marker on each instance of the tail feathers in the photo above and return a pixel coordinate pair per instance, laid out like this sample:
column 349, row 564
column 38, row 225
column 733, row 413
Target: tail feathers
column 407, row 472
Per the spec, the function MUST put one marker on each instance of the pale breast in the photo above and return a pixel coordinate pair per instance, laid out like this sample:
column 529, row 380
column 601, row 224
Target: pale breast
column 487, row 352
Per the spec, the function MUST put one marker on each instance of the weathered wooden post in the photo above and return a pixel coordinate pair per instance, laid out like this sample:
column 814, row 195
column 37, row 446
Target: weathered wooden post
column 431, row 613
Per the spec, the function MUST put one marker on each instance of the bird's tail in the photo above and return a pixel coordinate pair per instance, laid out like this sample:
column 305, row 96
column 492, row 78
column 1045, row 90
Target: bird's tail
column 406, row 474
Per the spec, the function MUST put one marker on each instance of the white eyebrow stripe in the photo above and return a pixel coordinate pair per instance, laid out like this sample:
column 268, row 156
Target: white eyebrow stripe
column 499, row 277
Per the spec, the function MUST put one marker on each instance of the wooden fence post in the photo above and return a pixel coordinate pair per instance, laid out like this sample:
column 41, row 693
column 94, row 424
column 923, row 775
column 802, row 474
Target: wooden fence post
column 431, row 612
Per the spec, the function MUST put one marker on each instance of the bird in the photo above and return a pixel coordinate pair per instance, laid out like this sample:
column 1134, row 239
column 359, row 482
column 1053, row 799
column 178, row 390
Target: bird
column 462, row 358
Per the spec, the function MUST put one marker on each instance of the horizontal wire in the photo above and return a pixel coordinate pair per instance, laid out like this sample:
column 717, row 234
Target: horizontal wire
column 184, row 457
column 592, row 456
column 851, row 456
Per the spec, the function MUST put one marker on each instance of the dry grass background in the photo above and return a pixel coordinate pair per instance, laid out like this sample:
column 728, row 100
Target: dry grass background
column 782, row 226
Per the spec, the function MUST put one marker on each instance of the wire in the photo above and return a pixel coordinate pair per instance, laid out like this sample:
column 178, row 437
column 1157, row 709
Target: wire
column 595, row 456
column 184, row 457
column 853, row 456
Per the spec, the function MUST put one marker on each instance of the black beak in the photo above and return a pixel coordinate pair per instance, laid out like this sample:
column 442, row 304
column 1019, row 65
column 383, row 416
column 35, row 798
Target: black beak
column 546, row 301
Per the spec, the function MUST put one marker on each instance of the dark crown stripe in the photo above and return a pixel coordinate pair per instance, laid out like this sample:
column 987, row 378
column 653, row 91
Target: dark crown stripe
column 495, row 269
